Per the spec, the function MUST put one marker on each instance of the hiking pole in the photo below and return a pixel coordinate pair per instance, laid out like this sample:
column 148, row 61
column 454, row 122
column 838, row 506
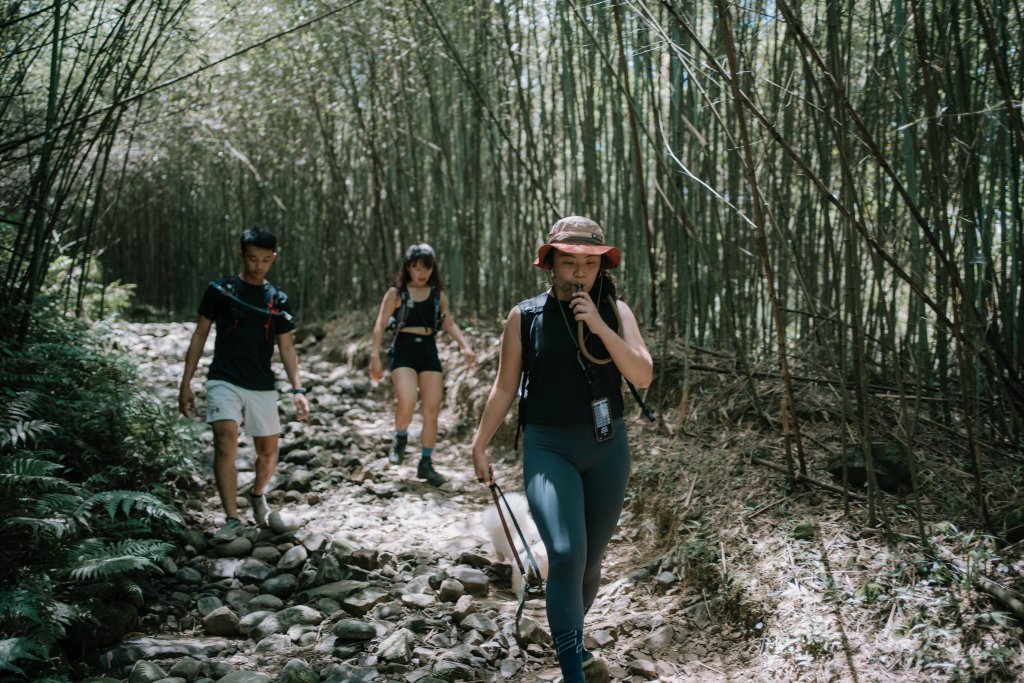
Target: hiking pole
column 495, row 492
column 527, row 587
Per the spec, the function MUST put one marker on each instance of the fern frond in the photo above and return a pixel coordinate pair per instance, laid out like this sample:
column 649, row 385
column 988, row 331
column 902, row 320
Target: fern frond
column 13, row 649
column 105, row 568
column 56, row 527
column 22, row 406
column 27, row 466
column 95, row 560
column 61, row 615
column 24, row 432
column 20, row 473
column 129, row 501
column 23, row 601
column 147, row 670
column 59, row 503
column 131, row 588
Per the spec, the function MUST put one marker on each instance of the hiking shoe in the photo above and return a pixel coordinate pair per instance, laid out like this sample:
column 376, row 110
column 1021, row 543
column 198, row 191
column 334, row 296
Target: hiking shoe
column 229, row 531
column 397, row 449
column 260, row 509
column 425, row 470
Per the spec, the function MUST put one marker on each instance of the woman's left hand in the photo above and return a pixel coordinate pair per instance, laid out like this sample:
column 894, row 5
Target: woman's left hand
column 469, row 355
column 584, row 309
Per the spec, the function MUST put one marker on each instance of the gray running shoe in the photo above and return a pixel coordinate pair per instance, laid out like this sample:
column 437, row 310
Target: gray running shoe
column 229, row 531
column 425, row 470
column 397, row 449
column 260, row 509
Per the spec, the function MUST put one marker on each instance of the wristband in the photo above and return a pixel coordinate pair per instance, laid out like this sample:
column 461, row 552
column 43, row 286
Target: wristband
column 299, row 391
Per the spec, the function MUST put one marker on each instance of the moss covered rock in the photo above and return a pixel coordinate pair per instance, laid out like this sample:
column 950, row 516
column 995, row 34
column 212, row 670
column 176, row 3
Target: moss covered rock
column 891, row 460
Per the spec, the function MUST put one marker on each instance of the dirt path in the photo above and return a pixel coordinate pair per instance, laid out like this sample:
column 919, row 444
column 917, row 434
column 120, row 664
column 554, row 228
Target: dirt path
column 390, row 579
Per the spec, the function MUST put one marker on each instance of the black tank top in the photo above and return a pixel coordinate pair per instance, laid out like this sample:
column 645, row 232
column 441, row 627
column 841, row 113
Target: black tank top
column 557, row 389
column 421, row 313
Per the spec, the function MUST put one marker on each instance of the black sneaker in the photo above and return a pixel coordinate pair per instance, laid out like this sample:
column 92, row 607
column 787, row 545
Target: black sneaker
column 425, row 470
column 397, row 449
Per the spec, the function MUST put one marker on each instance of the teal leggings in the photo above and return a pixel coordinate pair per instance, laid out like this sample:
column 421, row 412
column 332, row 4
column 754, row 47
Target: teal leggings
column 576, row 487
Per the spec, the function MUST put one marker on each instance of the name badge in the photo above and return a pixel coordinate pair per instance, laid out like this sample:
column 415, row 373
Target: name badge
column 600, row 410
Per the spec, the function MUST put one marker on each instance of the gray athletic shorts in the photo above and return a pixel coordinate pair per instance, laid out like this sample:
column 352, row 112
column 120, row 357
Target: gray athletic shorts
column 256, row 410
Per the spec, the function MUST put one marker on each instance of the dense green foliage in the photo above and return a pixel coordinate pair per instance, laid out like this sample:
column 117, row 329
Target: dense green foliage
column 78, row 435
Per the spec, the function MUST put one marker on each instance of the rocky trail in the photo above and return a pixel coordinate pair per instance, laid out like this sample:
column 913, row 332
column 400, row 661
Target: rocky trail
column 373, row 575
column 385, row 578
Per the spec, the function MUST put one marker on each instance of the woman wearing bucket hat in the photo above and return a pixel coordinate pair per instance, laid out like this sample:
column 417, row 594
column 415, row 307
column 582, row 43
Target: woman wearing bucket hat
column 416, row 308
column 565, row 353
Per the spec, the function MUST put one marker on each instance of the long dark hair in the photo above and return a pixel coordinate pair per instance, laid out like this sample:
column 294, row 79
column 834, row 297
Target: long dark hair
column 422, row 253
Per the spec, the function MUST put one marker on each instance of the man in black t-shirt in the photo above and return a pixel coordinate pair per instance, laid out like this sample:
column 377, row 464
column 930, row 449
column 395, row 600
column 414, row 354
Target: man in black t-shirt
column 251, row 315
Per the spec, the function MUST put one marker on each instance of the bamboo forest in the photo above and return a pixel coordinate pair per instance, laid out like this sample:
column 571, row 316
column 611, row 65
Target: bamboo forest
column 812, row 216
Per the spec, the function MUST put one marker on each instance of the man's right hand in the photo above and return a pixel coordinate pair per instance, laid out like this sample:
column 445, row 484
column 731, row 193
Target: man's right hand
column 186, row 400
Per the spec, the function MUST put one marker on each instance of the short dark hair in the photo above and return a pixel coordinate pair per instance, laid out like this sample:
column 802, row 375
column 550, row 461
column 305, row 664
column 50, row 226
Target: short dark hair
column 258, row 237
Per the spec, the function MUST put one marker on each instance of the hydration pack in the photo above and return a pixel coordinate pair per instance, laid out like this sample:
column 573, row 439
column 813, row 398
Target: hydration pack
column 274, row 297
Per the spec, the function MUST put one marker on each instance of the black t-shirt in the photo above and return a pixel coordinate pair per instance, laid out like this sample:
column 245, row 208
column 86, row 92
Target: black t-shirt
column 558, row 391
column 245, row 334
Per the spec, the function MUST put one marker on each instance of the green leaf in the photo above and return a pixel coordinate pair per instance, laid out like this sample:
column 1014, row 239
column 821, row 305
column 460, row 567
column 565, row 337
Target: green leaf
column 13, row 649
column 51, row 526
column 133, row 501
column 95, row 560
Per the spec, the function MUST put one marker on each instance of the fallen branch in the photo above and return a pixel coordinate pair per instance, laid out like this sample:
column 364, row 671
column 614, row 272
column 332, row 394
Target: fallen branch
column 979, row 581
column 1000, row 593
column 810, row 480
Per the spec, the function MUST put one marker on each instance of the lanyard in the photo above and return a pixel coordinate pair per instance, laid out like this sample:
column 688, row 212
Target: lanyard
column 588, row 369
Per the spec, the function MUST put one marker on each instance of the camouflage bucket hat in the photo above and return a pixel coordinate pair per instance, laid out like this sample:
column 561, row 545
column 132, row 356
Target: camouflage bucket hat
column 577, row 235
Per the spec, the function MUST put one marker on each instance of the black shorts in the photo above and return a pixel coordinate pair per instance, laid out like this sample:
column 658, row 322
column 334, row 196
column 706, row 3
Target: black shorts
column 416, row 351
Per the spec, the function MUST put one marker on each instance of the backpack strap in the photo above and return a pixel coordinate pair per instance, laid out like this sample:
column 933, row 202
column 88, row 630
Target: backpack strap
column 402, row 313
column 529, row 311
column 229, row 288
column 399, row 318
column 438, row 316
column 403, row 309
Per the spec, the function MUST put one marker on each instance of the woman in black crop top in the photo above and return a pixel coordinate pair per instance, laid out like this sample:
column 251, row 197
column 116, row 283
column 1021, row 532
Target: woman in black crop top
column 416, row 308
column 575, row 456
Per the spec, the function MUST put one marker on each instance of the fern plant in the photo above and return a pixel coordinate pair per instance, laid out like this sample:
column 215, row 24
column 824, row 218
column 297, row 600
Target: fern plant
column 77, row 432
column 34, row 619
column 95, row 560
column 132, row 502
